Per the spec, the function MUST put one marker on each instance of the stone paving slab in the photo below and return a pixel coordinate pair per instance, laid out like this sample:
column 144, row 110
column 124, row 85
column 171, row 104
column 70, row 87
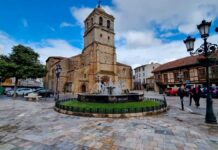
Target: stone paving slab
column 36, row 126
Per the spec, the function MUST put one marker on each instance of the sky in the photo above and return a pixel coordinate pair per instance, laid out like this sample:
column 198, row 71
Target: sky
column 146, row 31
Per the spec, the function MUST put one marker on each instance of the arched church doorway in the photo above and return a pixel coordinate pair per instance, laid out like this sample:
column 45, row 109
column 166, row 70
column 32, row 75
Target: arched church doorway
column 83, row 88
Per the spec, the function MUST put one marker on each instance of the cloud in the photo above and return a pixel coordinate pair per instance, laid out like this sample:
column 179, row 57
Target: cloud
column 80, row 14
column 25, row 23
column 135, row 39
column 54, row 47
column 6, row 43
column 140, row 31
column 162, row 53
column 164, row 14
column 66, row 24
column 45, row 48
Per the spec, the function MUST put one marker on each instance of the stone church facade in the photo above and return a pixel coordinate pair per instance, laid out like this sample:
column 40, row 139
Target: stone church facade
column 98, row 60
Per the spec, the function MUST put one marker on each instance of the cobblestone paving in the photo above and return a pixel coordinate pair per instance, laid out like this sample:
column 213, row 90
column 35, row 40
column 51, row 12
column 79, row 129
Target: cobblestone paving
column 35, row 126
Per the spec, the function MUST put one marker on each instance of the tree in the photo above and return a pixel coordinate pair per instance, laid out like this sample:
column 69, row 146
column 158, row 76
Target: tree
column 22, row 63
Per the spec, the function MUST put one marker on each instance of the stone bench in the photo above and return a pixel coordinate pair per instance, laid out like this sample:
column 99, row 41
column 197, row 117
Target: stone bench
column 33, row 97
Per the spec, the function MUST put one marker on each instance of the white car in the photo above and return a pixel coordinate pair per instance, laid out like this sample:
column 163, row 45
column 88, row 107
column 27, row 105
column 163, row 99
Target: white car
column 20, row 91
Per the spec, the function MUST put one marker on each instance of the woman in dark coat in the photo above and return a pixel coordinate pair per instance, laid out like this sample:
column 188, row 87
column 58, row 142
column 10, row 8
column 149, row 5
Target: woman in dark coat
column 181, row 94
column 196, row 95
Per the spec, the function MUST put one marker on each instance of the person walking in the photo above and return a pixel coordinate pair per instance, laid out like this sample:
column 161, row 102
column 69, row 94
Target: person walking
column 196, row 95
column 190, row 95
column 181, row 94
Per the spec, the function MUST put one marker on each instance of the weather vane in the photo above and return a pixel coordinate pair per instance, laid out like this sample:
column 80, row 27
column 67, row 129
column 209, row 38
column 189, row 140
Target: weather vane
column 99, row 3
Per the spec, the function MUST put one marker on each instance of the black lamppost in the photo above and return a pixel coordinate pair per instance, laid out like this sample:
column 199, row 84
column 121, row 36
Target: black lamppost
column 57, row 72
column 206, row 49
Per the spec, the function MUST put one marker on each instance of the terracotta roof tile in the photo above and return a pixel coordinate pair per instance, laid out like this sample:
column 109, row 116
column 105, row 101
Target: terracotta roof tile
column 186, row 61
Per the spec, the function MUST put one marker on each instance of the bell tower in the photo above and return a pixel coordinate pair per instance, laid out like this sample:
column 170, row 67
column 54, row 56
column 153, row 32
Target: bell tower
column 99, row 27
column 99, row 41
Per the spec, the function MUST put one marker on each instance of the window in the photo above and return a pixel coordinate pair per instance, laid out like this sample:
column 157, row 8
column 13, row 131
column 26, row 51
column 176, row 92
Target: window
column 108, row 24
column 214, row 72
column 201, row 73
column 91, row 21
column 186, row 75
column 158, row 77
column 87, row 24
column 100, row 21
column 165, row 78
column 84, row 75
column 176, row 75
column 101, row 35
column 108, row 37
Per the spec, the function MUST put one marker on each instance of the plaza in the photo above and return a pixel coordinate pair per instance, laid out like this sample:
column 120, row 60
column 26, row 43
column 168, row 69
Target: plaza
column 108, row 75
column 35, row 125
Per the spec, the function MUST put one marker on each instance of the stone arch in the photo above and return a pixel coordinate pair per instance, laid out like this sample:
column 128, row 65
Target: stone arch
column 100, row 21
column 108, row 24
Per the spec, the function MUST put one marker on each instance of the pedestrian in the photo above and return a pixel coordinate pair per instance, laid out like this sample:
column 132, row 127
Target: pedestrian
column 190, row 95
column 181, row 94
column 196, row 95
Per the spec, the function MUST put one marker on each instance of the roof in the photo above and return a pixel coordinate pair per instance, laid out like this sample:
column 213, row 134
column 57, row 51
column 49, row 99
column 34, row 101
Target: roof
column 183, row 62
column 121, row 64
column 55, row 57
column 99, row 10
column 146, row 65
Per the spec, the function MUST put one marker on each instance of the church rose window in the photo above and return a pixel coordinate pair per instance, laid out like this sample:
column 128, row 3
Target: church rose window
column 100, row 21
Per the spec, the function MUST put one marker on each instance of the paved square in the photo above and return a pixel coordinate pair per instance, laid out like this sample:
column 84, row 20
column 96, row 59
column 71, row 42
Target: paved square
column 35, row 125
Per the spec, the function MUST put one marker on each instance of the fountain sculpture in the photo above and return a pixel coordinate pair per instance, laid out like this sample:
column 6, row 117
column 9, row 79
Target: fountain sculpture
column 109, row 93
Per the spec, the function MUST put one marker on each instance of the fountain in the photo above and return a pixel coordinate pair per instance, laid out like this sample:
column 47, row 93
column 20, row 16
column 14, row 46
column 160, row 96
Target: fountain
column 109, row 93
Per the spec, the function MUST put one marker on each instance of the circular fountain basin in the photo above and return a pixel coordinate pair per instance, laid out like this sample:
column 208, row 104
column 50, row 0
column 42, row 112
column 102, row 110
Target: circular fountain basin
column 101, row 98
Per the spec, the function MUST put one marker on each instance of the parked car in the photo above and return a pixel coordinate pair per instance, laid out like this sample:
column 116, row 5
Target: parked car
column 34, row 91
column 20, row 91
column 171, row 91
column 215, row 92
column 204, row 91
column 43, row 92
column 7, row 89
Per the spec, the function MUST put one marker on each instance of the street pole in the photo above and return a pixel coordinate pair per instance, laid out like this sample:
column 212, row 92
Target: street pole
column 206, row 49
column 57, row 93
column 210, row 117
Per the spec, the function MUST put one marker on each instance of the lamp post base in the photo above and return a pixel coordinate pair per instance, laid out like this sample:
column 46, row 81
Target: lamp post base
column 210, row 117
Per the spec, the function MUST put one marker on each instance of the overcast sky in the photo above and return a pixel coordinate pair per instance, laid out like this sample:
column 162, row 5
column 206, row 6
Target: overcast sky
column 146, row 31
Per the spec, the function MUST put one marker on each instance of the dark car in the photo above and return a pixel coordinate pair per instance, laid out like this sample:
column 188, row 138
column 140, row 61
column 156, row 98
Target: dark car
column 215, row 92
column 204, row 92
column 45, row 93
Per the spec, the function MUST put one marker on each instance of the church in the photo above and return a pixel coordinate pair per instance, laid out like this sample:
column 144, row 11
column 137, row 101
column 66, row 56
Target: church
column 97, row 62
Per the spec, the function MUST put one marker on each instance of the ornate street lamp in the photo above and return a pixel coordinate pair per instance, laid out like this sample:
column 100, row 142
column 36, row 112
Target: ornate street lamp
column 57, row 73
column 206, row 49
